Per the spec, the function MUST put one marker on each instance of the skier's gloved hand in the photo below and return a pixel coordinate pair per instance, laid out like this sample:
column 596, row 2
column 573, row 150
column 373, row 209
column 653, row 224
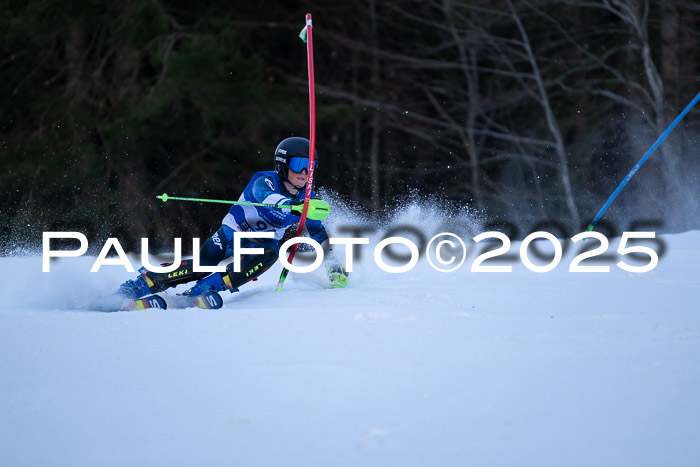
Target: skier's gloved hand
column 318, row 209
column 297, row 208
column 337, row 276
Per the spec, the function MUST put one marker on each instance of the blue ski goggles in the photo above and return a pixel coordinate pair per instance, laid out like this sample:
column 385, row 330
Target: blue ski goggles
column 297, row 164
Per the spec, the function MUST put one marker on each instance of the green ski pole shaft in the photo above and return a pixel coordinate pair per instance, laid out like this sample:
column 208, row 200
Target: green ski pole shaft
column 164, row 197
column 317, row 210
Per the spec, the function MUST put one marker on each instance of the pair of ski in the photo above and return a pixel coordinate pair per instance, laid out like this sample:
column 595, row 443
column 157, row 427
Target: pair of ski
column 208, row 300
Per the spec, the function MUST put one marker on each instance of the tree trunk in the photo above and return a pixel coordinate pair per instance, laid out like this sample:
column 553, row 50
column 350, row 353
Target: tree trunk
column 375, row 123
column 670, row 48
column 472, row 107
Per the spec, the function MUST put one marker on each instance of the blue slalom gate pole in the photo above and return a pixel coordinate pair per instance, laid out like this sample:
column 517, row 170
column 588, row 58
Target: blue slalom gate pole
column 663, row 136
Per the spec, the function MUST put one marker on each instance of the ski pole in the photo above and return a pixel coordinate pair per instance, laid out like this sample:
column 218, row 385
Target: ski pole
column 306, row 36
column 317, row 208
column 653, row 147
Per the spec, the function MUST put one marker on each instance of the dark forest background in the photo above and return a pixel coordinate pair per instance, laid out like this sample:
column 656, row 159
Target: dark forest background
column 523, row 110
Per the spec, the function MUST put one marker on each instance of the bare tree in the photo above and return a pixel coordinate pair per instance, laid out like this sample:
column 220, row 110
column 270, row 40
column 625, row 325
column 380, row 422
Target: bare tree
column 543, row 99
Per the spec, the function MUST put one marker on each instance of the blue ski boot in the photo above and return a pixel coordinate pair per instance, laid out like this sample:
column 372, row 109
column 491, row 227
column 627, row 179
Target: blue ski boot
column 136, row 288
column 213, row 283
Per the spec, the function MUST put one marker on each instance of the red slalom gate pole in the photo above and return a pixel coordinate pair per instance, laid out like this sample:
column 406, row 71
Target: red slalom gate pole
column 306, row 36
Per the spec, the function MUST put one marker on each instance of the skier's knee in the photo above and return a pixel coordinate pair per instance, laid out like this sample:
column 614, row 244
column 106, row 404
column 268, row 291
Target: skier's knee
column 251, row 267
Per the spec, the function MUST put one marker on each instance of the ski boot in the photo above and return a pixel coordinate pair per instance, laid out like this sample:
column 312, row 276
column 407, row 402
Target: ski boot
column 149, row 282
column 213, row 283
column 251, row 268
column 136, row 288
column 337, row 277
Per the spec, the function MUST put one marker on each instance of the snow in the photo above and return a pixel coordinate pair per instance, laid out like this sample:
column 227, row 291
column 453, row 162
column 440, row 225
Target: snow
column 415, row 369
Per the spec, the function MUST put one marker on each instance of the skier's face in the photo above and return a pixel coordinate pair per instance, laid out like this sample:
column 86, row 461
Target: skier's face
column 298, row 179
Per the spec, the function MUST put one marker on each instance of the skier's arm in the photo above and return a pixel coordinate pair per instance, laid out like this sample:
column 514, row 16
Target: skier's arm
column 317, row 232
column 263, row 192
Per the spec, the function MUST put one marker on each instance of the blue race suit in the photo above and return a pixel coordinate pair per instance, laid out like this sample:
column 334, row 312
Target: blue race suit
column 265, row 187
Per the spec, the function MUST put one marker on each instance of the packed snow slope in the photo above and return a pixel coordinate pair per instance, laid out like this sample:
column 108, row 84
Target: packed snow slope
column 415, row 369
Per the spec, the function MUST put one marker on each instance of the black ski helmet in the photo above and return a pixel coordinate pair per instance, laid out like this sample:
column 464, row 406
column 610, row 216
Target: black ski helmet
column 295, row 146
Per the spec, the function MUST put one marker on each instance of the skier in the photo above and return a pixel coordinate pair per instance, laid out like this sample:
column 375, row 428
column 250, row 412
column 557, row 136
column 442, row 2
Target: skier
column 285, row 186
